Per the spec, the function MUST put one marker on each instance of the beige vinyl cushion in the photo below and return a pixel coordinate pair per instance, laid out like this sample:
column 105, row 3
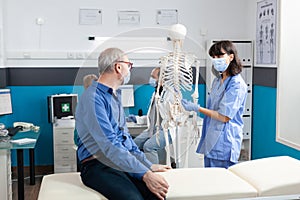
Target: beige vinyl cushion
column 206, row 183
column 271, row 176
column 66, row 186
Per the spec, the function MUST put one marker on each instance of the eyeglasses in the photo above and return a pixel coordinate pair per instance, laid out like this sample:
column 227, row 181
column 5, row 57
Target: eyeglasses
column 130, row 64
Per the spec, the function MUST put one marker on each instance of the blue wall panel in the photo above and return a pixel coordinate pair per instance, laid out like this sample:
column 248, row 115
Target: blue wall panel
column 264, row 126
column 30, row 105
column 142, row 97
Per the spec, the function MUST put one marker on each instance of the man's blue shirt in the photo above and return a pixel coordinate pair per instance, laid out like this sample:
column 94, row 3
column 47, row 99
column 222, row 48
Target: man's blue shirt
column 102, row 131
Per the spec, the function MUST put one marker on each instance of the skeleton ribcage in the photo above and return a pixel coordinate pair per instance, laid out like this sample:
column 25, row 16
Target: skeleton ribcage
column 176, row 74
column 177, row 71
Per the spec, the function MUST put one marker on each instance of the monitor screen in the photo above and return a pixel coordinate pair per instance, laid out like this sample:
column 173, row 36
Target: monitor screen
column 127, row 95
column 5, row 102
column 62, row 106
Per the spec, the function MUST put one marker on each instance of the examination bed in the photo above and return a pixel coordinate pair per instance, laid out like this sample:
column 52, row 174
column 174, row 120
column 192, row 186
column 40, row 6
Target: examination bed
column 273, row 177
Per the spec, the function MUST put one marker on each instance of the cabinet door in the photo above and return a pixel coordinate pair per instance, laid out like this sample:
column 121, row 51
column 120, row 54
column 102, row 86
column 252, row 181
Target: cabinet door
column 64, row 153
column 63, row 135
column 5, row 175
column 65, row 166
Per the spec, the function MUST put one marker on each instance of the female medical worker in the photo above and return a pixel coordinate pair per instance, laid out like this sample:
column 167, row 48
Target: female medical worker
column 222, row 132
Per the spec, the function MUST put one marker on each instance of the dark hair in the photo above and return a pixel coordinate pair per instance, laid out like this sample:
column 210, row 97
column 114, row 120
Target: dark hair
column 235, row 66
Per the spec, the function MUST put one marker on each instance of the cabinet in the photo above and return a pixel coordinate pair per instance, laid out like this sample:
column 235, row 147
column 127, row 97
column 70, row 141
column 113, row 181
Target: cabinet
column 5, row 175
column 245, row 53
column 64, row 146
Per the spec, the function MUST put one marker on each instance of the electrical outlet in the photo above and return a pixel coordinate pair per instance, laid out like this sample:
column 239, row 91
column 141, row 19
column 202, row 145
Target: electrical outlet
column 71, row 55
column 80, row 55
column 26, row 55
column 39, row 21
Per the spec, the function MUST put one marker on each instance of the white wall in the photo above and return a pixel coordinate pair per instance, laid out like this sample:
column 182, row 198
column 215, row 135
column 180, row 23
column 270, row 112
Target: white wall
column 1, row 36
column 288, row 82
column 61, row 32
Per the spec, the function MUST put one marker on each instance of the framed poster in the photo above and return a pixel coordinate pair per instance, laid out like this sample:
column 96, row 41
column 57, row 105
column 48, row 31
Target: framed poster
column 167, row 16
column 129, row 17
column 90, row 16
column 266, row 33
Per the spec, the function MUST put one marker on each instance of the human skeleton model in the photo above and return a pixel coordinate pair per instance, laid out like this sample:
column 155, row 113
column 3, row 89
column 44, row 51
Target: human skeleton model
column 175, row 76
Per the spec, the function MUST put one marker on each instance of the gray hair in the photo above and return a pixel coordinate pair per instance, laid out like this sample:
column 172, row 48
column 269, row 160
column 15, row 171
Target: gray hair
column 107, row 58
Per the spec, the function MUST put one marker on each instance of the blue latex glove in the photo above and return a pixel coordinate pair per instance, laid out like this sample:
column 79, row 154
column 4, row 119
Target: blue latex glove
column 190, row 106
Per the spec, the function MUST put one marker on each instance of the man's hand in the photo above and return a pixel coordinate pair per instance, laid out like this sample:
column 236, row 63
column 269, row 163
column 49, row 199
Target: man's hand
column 190, row 106
column 160, row 168
column 156, row 184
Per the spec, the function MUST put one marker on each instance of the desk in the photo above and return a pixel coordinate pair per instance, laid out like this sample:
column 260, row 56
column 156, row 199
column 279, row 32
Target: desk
column 135, row 129
column 5, row 146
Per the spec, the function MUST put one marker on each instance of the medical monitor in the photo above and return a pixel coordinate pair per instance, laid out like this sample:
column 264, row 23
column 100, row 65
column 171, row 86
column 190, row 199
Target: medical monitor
column 127, row 95
column 62, row 106
column 5, row 102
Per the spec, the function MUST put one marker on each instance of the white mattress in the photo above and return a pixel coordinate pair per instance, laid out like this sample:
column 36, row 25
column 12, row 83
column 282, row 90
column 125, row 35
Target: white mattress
column 266, row 177
column 66, row 186
column 204, row 183
column 271, row 176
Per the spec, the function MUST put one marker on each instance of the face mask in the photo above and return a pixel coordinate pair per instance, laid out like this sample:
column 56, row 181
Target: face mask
column 220, row 64
column 126, row 78
column 152, row 82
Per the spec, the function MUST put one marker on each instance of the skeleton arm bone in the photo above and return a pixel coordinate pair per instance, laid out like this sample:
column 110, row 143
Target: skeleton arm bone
column 195, row 95
column 157, row 95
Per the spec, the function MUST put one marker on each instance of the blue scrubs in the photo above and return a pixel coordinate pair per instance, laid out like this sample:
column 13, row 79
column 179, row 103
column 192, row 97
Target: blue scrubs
column 222, row 141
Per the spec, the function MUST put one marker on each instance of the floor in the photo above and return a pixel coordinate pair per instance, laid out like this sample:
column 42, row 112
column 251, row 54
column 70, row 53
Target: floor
column 31, row 192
